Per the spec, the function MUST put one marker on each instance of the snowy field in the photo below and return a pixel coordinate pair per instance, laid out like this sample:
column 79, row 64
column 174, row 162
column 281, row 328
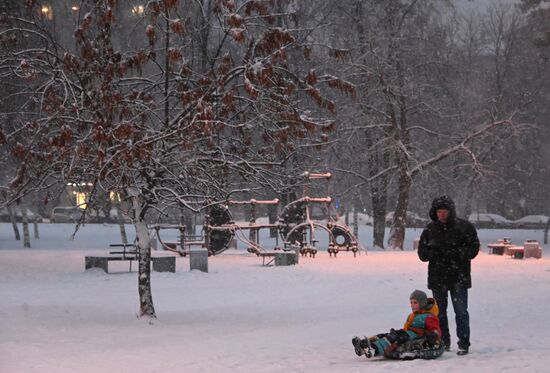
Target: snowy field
column 242, row 317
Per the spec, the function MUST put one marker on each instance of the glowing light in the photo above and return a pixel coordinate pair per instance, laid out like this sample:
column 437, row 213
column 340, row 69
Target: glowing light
column 75, row 8
column 114, row 196
column 80, row 199
column 138, row 10
column 46, row 11
column 80, row 184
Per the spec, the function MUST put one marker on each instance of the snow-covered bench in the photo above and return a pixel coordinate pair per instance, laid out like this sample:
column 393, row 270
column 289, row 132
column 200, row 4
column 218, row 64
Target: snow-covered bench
column 498, row 248
column 515, row 252
column 279, row 258
column 530, row 249
column 160, row 263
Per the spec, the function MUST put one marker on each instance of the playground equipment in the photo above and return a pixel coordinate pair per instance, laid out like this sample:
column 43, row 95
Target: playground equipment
column 296, row 227
column 174, row 246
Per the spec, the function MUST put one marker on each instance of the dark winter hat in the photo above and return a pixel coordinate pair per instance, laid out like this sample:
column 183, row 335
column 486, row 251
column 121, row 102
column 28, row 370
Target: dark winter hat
column 420, row 297
column 443, row 202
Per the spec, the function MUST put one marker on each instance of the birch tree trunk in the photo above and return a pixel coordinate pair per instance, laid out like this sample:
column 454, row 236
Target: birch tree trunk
column 25, row 220
column 144, row 248
column 121, row 225
column 35, row 226
column 14, row 223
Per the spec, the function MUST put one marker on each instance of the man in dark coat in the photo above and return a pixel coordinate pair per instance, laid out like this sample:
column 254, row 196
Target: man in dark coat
column 449, row 244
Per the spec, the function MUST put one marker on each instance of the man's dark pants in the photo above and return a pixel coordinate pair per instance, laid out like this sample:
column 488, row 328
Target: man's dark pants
column 459, row 298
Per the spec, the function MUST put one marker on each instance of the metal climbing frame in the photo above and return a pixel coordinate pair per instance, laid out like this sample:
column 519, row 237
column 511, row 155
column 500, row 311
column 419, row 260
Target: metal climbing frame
column 297, row 223
column 184, row 242
column 296, row 227
column 253, row 240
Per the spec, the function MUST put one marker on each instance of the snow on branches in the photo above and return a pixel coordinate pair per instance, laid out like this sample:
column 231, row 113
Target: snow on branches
column 138, row 107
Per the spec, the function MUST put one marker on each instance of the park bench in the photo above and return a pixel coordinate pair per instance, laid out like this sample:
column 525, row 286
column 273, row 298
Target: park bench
column 129, row 253
column 515, row 252
column 530, row 249
column 498, row 248
column 188, row 244
column 160, row 263
column 278, row 258
column 269, row 256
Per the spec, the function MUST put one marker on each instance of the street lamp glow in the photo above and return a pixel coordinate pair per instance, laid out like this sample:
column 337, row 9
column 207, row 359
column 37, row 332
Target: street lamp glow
column 46, row 11
column 138, row 9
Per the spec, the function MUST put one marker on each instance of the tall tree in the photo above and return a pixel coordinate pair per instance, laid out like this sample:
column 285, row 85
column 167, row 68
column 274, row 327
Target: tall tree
column 152, row 124
column 402, row 63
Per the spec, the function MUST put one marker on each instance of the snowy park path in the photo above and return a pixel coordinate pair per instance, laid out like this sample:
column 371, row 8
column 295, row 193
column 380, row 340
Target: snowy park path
column 242, row 317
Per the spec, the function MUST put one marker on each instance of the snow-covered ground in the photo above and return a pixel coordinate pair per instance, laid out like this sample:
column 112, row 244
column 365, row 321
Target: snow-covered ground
column 242, row 317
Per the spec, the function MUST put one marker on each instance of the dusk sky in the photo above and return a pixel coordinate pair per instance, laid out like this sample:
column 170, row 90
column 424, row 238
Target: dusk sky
column 479, row 4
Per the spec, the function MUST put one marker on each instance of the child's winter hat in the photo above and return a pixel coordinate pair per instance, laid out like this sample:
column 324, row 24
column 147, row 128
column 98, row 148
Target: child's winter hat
column 420, row 297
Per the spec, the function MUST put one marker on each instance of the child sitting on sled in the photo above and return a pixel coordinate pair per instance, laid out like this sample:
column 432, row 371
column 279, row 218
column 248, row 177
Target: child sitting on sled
column 419, row 338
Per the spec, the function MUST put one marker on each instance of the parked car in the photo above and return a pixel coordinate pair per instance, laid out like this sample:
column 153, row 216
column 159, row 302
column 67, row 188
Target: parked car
column 93, row 216
column 531, row 222
column 485, row 220
column 32, row 216
column 362, row 219
column 412, row 219
column 65, row 214
column 72, row 214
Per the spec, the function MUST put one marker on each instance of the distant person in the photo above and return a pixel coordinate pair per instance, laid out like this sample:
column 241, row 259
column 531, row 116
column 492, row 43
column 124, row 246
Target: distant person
column 419, row 338
column 449, row 244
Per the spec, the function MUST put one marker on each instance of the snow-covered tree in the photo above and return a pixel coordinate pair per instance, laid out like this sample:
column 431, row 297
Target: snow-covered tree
column 402, row 56
column 208, row 95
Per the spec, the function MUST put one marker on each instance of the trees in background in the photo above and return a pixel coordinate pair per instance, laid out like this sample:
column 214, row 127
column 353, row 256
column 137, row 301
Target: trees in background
column 209, row 96
column 416, row 122
column 177, row 104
